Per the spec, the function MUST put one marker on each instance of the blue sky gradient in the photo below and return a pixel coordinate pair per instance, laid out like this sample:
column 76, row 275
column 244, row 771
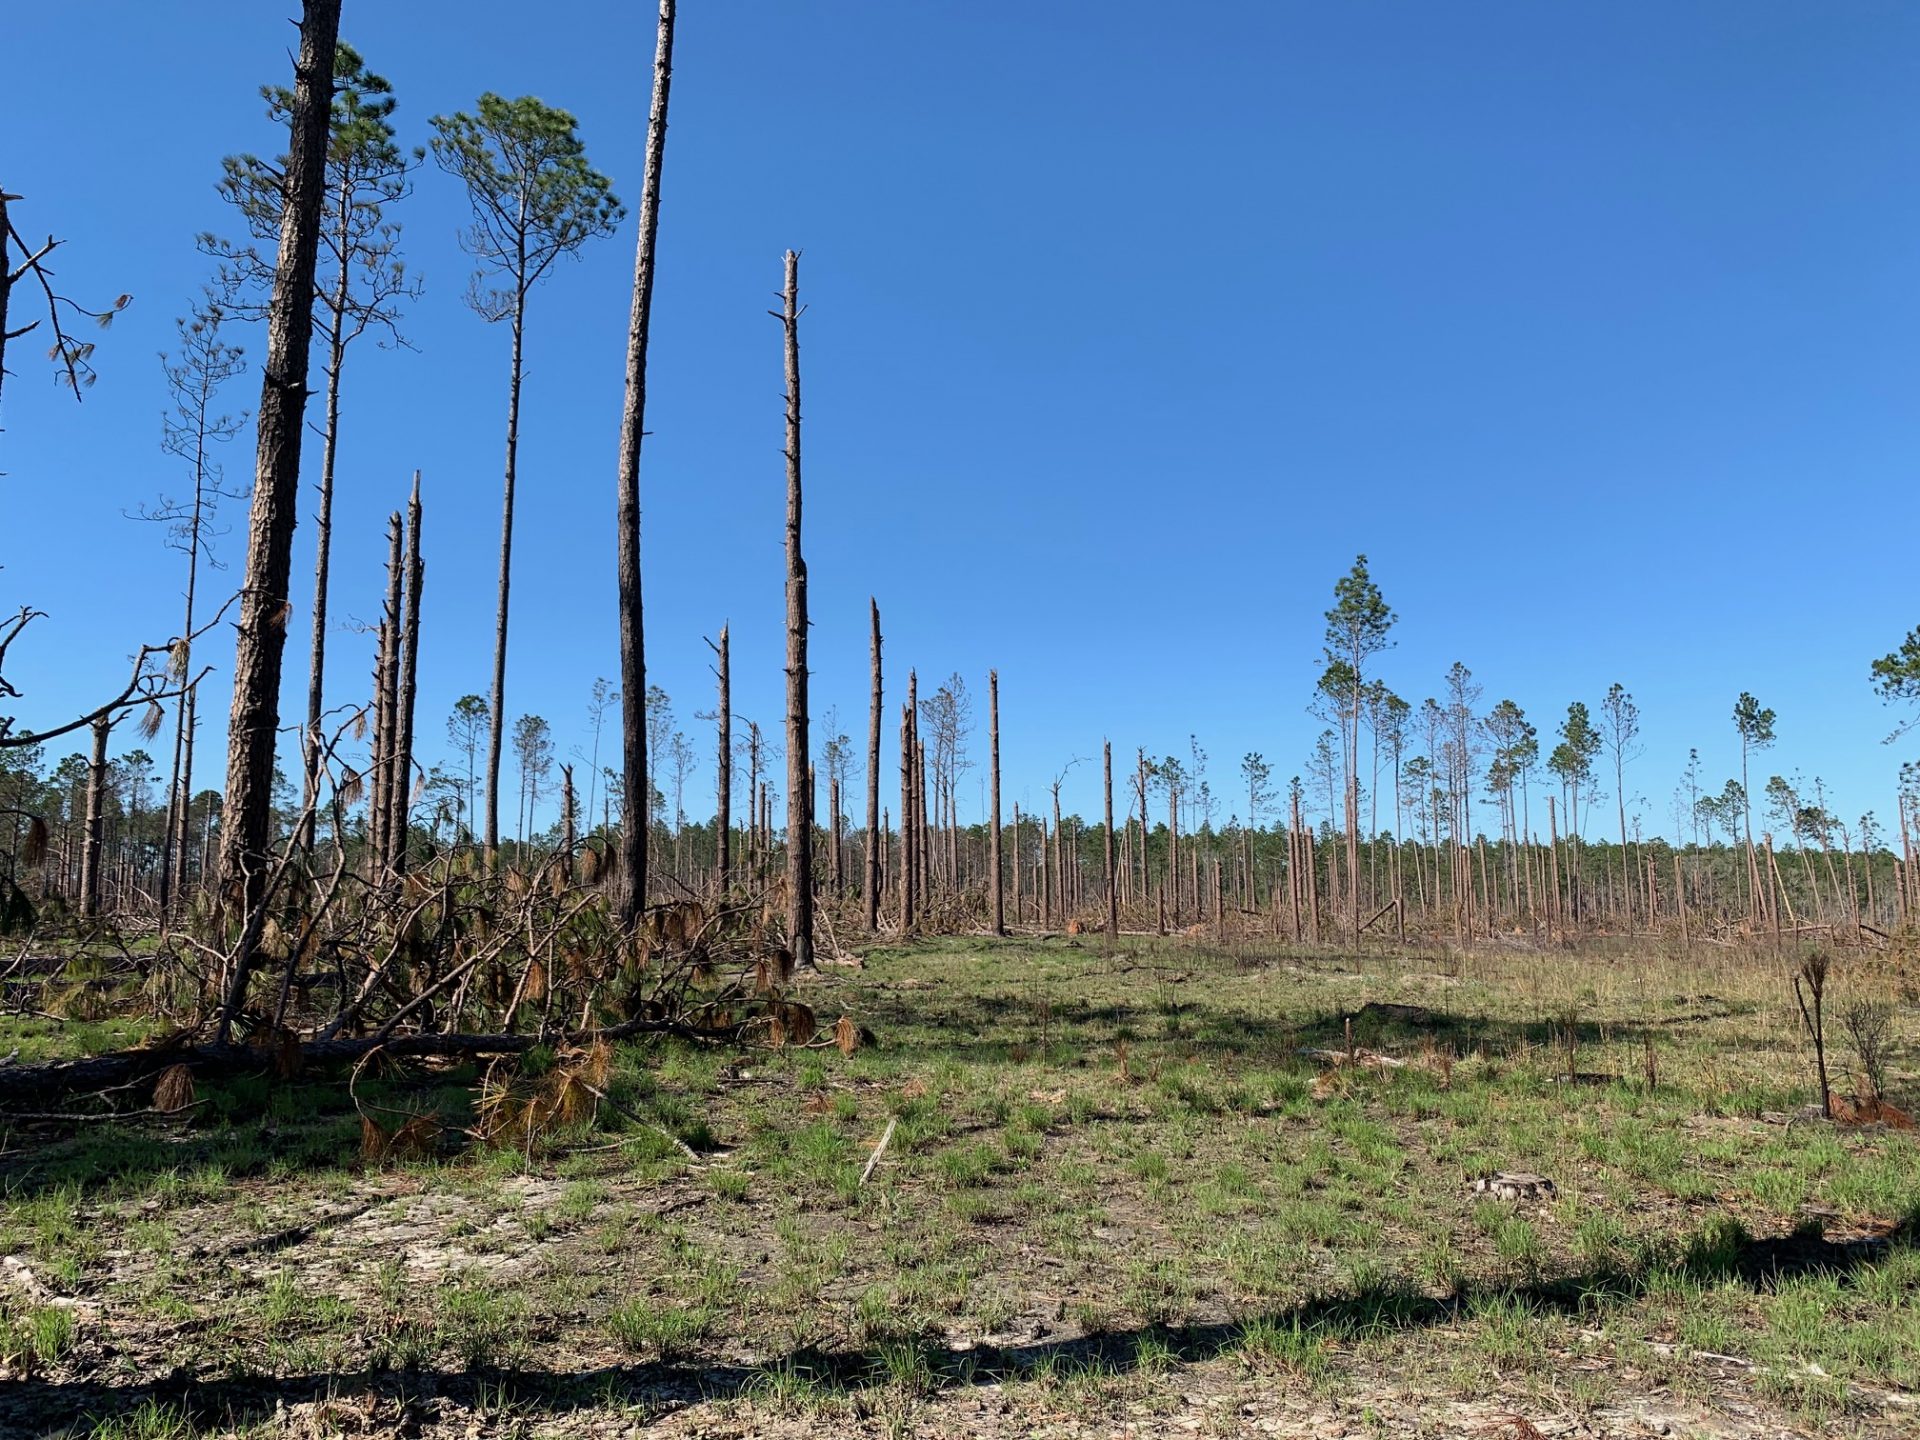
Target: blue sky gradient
column 1592, row 325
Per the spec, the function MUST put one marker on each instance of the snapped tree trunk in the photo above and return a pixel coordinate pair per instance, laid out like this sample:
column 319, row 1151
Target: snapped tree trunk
column 637, row 794
column 875, row 839
column 409, row 675
column 723, row 770
column 1113, row 893
column 993, row 725
column 94, row 842
column 246, row 819
column 799, row 776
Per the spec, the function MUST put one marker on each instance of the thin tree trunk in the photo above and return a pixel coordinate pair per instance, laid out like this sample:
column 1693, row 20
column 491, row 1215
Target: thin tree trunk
column 723, row 770
column 637, row 793
column 261, row 632
column 1113, row 893
column 875, row 838
column 408, row 652
column 993, row 726
column 799, row 786
column 906, row 818
column 94, row 843
column 323, row 519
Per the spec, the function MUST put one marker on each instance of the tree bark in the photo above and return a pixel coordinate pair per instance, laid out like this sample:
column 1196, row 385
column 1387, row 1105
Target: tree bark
column 799, row 786
column 723, row 785
column 408, row 651
column 993, row 725
column 93, row 844
column 497, row 700
column 261, row 630
column 1113, row 893
column 323, row 521
column 906, row 818
column 637, row 793
column 389, row 768
column 875, row 839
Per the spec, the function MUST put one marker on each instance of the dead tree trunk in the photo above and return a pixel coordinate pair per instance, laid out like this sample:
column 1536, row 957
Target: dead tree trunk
column 262, row 629
column 993, row 726
column 569, row 829
column 799, row 786
column 636, row 803
column 723, row 771
column 387, row 769
column 408, row 651
column 875, row 839
column 1113, row 893
column 183, row 819
column 93, row 844
column 906, row 818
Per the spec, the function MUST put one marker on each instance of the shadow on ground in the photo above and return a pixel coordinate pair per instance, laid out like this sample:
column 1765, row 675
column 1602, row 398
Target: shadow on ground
column 1296, row 1336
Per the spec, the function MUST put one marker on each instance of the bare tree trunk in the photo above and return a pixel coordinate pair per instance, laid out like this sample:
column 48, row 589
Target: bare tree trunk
column 993, row 839
column 1112, row 885
column 636, row 805
column 90, row 854
column 1019, row 907
column 408, row 651
column 497, row 701
column 184, row 818
column 391, row 779
column 323, row 522
column 264, row 605
column 799, row 780
column 837, row 879
column 875, row 838
column 906, row 818
column 568, row 827
column 723, row 785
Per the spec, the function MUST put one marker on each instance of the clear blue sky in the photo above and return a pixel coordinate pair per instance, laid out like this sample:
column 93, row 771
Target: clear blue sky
column 1594, row 326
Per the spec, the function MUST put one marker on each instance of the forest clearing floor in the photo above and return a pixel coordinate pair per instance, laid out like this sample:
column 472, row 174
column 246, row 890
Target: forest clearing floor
column 1120, row 1197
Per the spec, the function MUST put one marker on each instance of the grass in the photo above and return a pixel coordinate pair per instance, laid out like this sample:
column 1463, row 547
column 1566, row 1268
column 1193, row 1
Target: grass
column 1112, row 1181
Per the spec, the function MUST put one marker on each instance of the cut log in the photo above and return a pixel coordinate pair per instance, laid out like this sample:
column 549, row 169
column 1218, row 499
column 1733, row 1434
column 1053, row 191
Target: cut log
column 1515, row 1185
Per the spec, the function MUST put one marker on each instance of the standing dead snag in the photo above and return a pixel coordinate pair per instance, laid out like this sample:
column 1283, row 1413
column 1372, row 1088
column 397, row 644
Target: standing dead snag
column 637, row 795
column 408, row 652
column 799, row 772
column 993, row 724
column 264, row 606
column 1113, row 894
column 875, row 837
column 906, row 817
column 723, row 770
column 1813, row 971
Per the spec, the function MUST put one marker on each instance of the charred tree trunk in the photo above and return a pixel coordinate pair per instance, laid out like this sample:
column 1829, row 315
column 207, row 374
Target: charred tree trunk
column 799, row 780
column 993, row 726
column 261, row 632
column 636, row 805
column 875, row 839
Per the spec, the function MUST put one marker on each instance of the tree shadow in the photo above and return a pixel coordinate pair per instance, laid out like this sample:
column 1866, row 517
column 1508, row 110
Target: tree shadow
column 1313, row 1329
